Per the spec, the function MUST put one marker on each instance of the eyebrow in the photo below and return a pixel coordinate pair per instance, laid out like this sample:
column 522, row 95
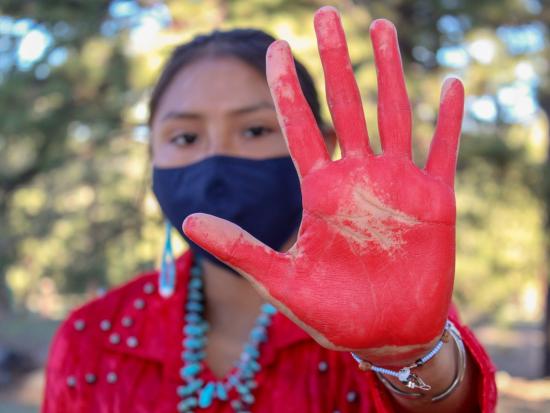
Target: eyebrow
column 253, row 108
column 239, row 111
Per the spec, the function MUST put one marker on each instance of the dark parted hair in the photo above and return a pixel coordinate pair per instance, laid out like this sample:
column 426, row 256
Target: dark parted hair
column 248, row 45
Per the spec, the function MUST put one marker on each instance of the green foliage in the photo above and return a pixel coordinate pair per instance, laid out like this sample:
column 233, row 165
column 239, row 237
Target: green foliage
column 61, row 201
column 500, row 237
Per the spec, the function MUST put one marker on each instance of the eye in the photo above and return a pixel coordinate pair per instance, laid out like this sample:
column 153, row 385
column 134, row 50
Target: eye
column 184, row 139
column 257, row 131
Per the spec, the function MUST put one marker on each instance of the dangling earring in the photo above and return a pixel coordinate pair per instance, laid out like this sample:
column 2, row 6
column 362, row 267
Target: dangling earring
column 167, row 274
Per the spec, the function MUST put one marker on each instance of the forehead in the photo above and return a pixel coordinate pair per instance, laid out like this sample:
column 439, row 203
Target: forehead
column 214, row 85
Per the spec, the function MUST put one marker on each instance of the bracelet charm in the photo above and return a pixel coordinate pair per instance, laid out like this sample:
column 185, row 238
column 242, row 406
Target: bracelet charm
column 413, row 381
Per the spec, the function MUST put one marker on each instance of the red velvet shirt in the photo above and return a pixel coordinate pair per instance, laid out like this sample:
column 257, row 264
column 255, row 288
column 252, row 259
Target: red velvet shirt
column 121, row 353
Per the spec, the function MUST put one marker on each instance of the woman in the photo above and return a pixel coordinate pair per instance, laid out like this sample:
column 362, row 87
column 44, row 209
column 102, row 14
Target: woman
column 368, row 270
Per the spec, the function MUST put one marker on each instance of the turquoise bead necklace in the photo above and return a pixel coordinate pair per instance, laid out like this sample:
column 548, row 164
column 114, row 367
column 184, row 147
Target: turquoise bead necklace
column 238, row 387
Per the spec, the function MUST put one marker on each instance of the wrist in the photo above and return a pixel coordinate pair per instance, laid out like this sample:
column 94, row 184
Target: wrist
column 437, row 373
column 431, row 375
column 396, row 356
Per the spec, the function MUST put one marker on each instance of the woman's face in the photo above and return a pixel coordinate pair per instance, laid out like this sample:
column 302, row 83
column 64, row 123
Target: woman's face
column 215, row 106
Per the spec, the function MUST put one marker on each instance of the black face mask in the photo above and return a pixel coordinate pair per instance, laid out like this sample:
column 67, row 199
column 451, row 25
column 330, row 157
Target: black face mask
column 261, row 196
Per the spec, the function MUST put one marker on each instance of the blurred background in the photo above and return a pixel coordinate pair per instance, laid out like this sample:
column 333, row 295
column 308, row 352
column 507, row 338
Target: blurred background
column 77, row 215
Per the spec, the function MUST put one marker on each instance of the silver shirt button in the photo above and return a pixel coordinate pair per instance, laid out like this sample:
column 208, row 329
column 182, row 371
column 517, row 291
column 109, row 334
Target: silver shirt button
column 112, row 377
column 71, row 381
column 114, row 338
column 149, row 288
column 79, row 325
column 90, row 378
column 105, row 325
column 132, row 342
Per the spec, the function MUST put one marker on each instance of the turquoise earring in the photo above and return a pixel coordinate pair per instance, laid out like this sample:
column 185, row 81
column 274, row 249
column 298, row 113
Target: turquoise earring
column 167, row 274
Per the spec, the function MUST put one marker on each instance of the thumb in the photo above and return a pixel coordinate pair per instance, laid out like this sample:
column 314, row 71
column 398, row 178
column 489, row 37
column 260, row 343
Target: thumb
column 228, row 242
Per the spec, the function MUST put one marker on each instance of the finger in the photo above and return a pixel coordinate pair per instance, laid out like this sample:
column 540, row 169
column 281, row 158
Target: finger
column 444, row 148
column 344, row 99
column 300, row 129
column 394, row 109
column 234, row 246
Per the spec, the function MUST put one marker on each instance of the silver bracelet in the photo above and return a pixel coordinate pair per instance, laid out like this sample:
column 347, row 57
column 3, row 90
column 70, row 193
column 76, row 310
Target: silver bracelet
column 405, row 374
column 459, row 374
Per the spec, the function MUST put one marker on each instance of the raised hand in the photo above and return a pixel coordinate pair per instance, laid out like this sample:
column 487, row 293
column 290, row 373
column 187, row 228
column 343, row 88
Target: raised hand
column 373, row 266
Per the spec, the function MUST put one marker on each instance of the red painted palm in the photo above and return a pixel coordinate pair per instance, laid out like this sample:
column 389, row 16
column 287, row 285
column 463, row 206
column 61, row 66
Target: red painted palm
column 373, row 266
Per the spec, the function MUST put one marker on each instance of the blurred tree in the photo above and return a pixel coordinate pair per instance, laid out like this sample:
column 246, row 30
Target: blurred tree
column 64, row 85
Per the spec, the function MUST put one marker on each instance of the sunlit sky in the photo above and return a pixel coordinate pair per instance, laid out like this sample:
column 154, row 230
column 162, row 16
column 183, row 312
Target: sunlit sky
column 514, row 102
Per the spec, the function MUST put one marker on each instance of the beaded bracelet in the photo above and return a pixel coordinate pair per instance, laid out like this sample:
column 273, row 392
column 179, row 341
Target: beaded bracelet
column 459, row 373
column 405, row 375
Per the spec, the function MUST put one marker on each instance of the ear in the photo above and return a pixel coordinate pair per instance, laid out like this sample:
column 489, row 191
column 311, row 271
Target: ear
column 329, row 135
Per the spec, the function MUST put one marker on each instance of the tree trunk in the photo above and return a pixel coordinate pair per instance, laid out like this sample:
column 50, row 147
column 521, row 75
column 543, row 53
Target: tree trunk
column 546, row 367
column 6, row 256
column 544, row 102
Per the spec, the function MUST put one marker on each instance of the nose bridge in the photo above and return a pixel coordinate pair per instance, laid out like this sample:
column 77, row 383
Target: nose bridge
column 220, row 139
